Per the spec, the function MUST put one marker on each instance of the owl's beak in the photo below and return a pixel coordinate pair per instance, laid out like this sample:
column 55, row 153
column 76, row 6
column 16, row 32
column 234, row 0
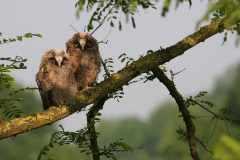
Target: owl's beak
column 82, row 42
column 59, row 61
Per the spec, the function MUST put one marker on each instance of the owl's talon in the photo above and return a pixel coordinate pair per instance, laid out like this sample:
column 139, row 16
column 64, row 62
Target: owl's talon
column 87, row 89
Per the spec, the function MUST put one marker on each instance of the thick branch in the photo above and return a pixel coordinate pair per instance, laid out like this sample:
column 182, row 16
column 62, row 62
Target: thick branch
column 116, row 81
column 91, row 127
column 92, row 134
column 183, row 109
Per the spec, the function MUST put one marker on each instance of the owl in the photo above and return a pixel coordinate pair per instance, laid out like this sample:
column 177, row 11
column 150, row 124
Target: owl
column 55, row 79
column 86, row 59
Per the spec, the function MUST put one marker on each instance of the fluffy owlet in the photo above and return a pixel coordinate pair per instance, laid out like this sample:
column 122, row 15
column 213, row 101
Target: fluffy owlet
column 55, row 79
column 86, row 59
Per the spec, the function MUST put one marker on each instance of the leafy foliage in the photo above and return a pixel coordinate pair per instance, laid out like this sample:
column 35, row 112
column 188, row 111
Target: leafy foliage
column 108, row 68
column 114, row 147
column 167, row 4
column 124, row 57
column 10, row 108
column 228, row 113
column 80, row 138
column 19, row 38
column 149, row 77
column 196, row 98
column 126, row 6
column 118, row 94
column 182, row 134
column 107, row 65
column 5, row 79
column 225, row 8
column 7, row 103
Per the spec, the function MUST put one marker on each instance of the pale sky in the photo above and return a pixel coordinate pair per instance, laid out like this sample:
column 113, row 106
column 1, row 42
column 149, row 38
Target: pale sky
column 52, row 19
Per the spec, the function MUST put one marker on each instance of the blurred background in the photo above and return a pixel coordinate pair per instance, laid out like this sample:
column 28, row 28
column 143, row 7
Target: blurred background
column 146, row 113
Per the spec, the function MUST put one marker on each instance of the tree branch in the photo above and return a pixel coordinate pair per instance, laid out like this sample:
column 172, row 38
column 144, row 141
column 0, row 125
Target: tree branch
column 91, row 127
column 201, row 142
column 114, row 82
column 183, row 109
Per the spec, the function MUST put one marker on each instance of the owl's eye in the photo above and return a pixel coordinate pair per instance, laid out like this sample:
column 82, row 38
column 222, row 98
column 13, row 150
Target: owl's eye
column 53, row 61
column 88, row 44
column 76, row 45
column 64, row 61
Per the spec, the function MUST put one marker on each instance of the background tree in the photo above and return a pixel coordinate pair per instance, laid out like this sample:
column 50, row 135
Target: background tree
column 139, row 67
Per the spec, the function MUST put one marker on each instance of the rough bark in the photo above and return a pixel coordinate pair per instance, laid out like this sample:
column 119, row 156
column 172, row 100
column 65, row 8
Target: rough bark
column 91, row 127
column 117, row 80
column 182, row 108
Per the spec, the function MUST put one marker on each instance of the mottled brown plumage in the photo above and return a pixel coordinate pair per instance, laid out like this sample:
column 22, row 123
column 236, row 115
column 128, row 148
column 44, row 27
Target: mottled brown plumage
column 86, row 59
column 55, row 79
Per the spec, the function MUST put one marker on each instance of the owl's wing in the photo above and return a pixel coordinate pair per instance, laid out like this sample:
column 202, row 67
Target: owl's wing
column 45, row 88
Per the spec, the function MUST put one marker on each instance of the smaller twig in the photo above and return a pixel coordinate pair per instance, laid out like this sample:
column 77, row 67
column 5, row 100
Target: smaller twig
column 204, row 108
column 73, row 27
column 201, row 142
column 227, row 127
column 209, row 126
column 213, row 131
column 108, row 150
column 179, row 72
column 61, row 127
column 173, row 74
column 106, row 37
column 203, row 117
column 104, row 18
column 216, row 115
column 142, row 147
column 4, row 99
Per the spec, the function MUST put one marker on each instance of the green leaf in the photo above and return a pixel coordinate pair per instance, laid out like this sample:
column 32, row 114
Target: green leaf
column 123, row 60
column 133, row 22
column 5, row 40
column 7, row 85
column 90, row 27
column 38, row 35
column 17, row 115
column 14, row 88
column 229, row 111
column 28, row 35
column 21, row 65
column 50, row 145
column 19, row 38
column 150, row 51
column 111, row 24
column 121, row 55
